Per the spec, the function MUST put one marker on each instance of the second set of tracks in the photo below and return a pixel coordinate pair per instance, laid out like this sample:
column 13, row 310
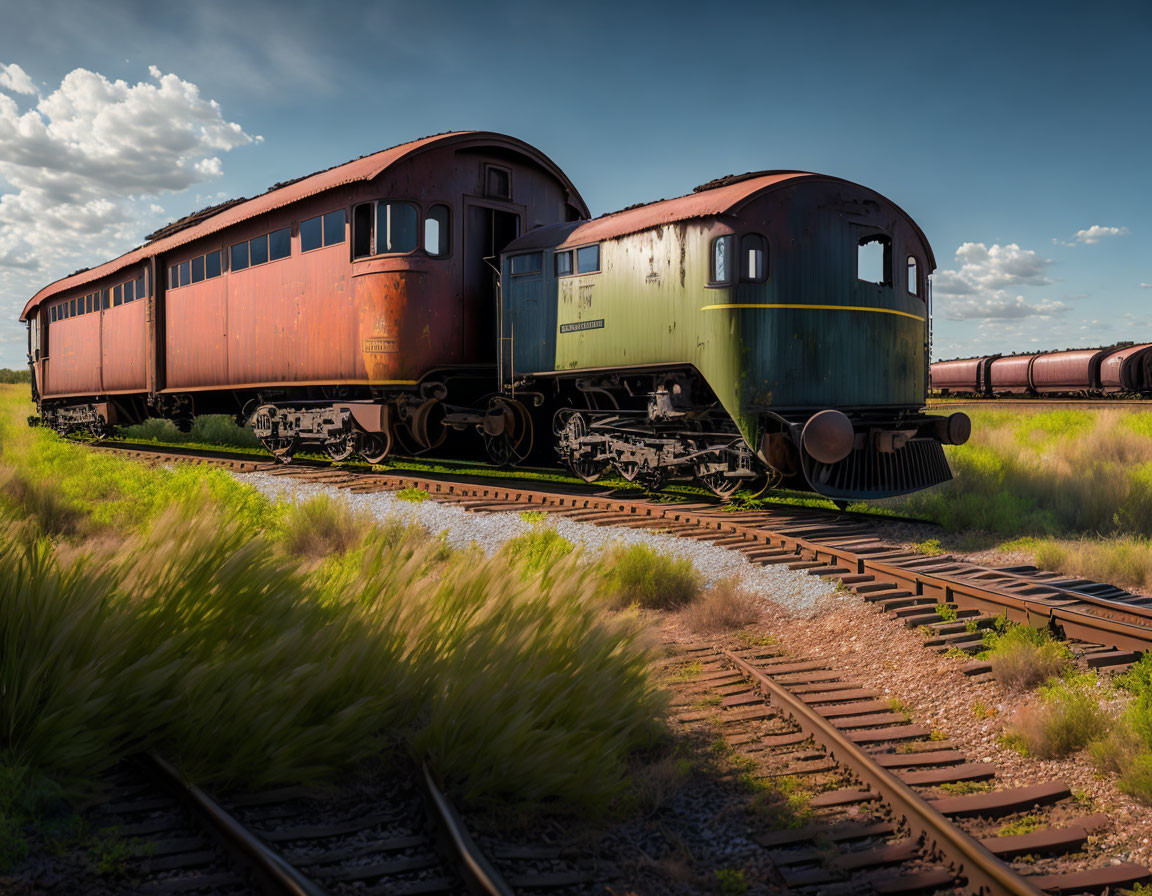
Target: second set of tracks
column 951, row 598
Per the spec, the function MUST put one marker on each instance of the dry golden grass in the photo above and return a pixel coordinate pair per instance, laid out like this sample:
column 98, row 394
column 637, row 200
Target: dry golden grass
column 1065, row 717
column 724, row 607
column 1024, row 657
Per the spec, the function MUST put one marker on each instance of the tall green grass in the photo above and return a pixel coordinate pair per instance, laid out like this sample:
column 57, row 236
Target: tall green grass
column 208, row 429
column 1071, row 487
column 176, row 613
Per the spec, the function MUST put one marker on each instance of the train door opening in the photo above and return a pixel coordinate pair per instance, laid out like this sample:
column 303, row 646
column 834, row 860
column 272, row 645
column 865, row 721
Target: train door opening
column 486, row 232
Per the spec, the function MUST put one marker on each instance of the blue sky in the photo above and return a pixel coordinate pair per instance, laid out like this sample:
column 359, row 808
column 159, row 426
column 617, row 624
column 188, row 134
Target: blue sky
column 1017, row 135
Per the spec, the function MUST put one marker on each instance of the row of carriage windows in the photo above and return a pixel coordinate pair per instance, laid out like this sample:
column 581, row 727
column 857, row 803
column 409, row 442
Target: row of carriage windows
column 100, row 300
column 377, row 228
column 583, row 260
column 873, row 261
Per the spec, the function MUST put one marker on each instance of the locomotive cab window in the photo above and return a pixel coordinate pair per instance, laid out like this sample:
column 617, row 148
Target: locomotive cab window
column 874, row 260
column 529, row 263
column 436, row 232
column 913, row 276
column 754, row 258
column 721, row 266
column 563, row 263
column 588, row 259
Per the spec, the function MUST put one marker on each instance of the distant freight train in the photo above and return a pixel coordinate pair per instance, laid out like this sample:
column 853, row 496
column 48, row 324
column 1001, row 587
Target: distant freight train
column 1081, row 372
column 768, row 328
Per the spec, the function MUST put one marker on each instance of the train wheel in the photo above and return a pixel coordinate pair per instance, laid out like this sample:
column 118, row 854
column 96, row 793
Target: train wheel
column 280, row 448
column 426, row 427
column 341, row 448
column 586, row 467
column 720, row 485
column 512, row 445
column 376, row 446
column 653, row 480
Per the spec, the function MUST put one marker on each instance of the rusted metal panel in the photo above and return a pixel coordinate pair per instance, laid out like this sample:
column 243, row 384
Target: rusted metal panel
column 359, row 171
column 1127, row 369
column 1075, row 371
column 123, row 344
column 1011, row 375
column 73, row 366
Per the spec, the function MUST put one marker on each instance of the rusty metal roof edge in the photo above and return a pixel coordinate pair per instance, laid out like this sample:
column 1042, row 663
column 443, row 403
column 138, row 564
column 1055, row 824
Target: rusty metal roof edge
column 744, row 188
column 312, row 185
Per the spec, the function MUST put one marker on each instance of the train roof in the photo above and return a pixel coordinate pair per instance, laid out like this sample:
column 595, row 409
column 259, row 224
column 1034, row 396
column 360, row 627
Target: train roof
column 725, row 195
column 366, row 168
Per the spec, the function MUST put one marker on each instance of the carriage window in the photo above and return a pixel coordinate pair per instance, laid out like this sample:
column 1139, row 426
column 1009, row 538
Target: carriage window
column 362, row 231
column 88, row 303
column 130, row 291
column 436, row 234
column 721, row 260
column 563, row 262
column 197, row 269
column 117, row 296
column 103, row 294
column 913, row 276
column 754, row 257
column 588, row 260
column 72, row 313
column 334, row 228
column 258, row 250
column 239, row 256
column 396, row 227
column 311, row 234
column 211, row 269
column 498, row 182
column 280, row 244
column 185, row 273
column 530, row 263
column 874, row 260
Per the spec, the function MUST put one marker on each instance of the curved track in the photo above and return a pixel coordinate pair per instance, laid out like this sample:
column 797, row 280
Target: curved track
column 826, row 543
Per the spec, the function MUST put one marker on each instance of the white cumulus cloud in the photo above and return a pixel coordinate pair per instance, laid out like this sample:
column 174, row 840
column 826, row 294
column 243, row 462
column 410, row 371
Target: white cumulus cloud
column 1091, row 235
column 1095, row 233
column 999, row 306
column 81, row 163
column 978, row 288
column 985, row 268
column 14, row 78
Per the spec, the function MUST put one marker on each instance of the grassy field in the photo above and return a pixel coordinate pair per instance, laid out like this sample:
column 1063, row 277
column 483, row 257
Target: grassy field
column 1071, row 488
column 256, row 642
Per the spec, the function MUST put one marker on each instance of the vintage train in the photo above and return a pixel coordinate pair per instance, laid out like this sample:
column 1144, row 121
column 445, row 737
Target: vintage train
column 758, row 330
column 1116, row 370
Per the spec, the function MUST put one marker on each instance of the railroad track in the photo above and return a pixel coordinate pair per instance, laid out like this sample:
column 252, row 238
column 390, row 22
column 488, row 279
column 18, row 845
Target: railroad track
column 889, row 812
column 1114, row 624
column 1042, row 403
column 401, row 836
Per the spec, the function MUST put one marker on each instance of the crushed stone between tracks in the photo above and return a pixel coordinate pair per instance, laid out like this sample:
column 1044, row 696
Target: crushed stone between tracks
column 798, row 592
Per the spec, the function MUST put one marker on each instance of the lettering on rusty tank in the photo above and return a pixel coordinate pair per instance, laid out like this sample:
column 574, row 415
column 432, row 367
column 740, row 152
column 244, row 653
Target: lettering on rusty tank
column 378, row 344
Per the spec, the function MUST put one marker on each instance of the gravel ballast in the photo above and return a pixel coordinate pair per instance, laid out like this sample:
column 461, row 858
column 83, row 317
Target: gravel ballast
column 799, row 593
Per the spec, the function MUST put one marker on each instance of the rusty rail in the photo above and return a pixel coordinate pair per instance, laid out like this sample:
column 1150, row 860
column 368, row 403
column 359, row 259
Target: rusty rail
column 986, row 875
column 808, row 534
